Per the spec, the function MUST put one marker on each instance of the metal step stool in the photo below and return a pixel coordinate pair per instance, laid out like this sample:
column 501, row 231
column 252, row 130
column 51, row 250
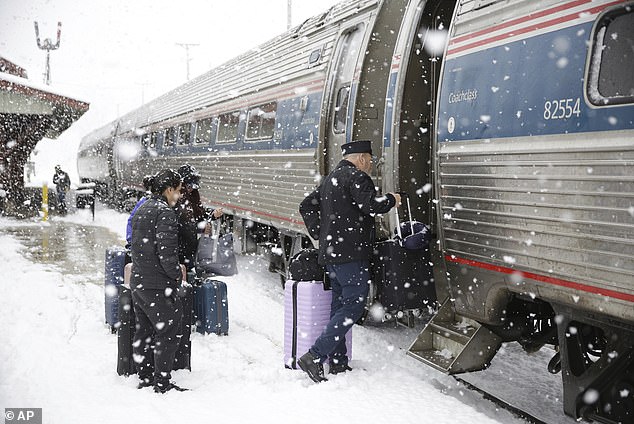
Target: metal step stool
column 454, row 344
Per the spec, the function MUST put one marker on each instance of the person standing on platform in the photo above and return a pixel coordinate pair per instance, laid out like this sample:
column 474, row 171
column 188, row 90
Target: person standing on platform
column 339, row 213
column 62, row 185
column 148, row 182
column 156, row 277
column 193, row 217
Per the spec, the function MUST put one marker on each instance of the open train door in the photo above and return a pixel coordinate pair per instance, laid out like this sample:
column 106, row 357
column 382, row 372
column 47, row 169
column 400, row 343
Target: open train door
column 414, row 122
column 340, row 103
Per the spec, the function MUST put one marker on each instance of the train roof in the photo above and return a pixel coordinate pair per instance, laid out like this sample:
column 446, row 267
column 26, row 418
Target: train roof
column 288, row 53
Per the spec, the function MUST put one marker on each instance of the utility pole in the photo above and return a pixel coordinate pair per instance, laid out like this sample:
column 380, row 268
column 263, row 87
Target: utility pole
column 143, row 85
column 289, row 15
column 48, row 46
column 187, row 46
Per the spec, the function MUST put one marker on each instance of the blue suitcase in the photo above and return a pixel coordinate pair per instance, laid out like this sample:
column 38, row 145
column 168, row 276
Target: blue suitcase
column 211, row 309
column 115, row 262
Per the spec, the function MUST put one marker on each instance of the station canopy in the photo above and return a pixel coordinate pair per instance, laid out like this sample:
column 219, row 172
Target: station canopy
column 28, row 112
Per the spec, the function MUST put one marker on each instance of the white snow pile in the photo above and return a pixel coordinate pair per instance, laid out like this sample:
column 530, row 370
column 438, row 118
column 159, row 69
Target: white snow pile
column 57, row 354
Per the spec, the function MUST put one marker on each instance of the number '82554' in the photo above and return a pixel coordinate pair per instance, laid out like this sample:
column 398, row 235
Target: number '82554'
column 561, row 109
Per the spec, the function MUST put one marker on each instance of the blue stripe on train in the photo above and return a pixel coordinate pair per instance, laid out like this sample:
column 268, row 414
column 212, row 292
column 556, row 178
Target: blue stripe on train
column 508, row 91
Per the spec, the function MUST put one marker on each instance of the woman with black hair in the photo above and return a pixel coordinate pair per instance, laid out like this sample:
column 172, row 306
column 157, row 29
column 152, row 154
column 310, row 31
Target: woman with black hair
column 193, row 217
column 155, row 279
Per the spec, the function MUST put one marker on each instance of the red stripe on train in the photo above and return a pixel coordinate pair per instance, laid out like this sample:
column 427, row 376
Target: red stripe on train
column 531, row 28
column 513, row 22
column 268, row 215
column 543, row 278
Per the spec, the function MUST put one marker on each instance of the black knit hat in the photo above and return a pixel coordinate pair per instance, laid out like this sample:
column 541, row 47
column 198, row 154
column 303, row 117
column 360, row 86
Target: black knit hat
column 359, row 146
column 148, row 182
column 164, row 179
column 190, row 175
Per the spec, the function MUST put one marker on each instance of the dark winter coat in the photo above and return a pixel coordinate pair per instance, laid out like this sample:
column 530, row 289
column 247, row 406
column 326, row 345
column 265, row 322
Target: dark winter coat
column 154, row 246
column 61, row 181
column 339, row 213
column 190, row 213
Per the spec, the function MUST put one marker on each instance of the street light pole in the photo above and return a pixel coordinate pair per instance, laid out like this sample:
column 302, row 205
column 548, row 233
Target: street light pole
column 289, row 15
column 48, row 46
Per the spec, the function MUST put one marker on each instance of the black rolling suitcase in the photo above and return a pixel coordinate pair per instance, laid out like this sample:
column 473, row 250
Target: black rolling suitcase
column 404, row 277
column 402, row 269
column 182, row 359
column 125, row 333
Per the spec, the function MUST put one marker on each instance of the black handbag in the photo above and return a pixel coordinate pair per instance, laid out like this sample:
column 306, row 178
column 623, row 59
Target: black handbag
column 304, row 266
column 215, row 255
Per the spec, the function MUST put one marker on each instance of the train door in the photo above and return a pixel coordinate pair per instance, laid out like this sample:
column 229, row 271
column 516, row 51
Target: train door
column 340, row 104
column 416, row 119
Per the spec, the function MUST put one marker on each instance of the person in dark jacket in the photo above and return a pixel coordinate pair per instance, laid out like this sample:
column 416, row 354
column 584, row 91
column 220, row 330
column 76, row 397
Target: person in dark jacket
column 148, row 182
column 339, row 213
column 156, row 276
column 193, row 217
column 62, row 185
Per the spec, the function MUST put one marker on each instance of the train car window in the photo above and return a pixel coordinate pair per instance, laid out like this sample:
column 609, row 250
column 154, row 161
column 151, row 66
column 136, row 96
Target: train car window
column 610, row 79
column 203, row 131
column 261, row 121
column 341, row 110
column 228, row 127
column 315, row 57
column 170, row 137
column 184, row 132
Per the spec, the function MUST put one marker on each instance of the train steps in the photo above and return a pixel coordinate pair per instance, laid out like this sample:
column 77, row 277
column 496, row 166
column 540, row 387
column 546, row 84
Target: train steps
column 454, row 344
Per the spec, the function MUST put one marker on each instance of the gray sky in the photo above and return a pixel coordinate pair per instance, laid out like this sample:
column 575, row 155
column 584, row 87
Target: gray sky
column 117, row 53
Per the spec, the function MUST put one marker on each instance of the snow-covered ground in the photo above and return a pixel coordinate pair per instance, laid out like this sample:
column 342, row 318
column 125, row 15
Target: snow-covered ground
column 57, row 354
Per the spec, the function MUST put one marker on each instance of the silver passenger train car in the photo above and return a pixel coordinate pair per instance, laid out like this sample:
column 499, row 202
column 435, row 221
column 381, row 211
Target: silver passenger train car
column 509, row 122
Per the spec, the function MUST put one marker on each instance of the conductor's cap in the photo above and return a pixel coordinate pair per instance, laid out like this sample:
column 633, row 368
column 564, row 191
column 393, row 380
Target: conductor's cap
column 359, row 146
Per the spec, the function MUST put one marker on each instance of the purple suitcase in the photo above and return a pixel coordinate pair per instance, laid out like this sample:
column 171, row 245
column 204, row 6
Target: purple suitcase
column 306, row 314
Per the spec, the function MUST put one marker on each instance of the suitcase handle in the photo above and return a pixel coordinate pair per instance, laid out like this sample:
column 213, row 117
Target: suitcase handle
column 405, row 196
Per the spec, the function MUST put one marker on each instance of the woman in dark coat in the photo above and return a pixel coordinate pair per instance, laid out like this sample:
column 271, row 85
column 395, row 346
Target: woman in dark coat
column 156, row 277
column 193, row 217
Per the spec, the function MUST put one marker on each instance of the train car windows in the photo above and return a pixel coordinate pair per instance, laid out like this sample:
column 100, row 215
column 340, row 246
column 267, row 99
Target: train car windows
column 610, row 79
column 261, row 121
column 203, row 131
column 228, row 127
column 184, row 132
column 341, row 110
column 170, row 137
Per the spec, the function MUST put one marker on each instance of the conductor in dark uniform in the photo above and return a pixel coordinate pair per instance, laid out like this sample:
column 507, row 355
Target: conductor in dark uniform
column 339, row 213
